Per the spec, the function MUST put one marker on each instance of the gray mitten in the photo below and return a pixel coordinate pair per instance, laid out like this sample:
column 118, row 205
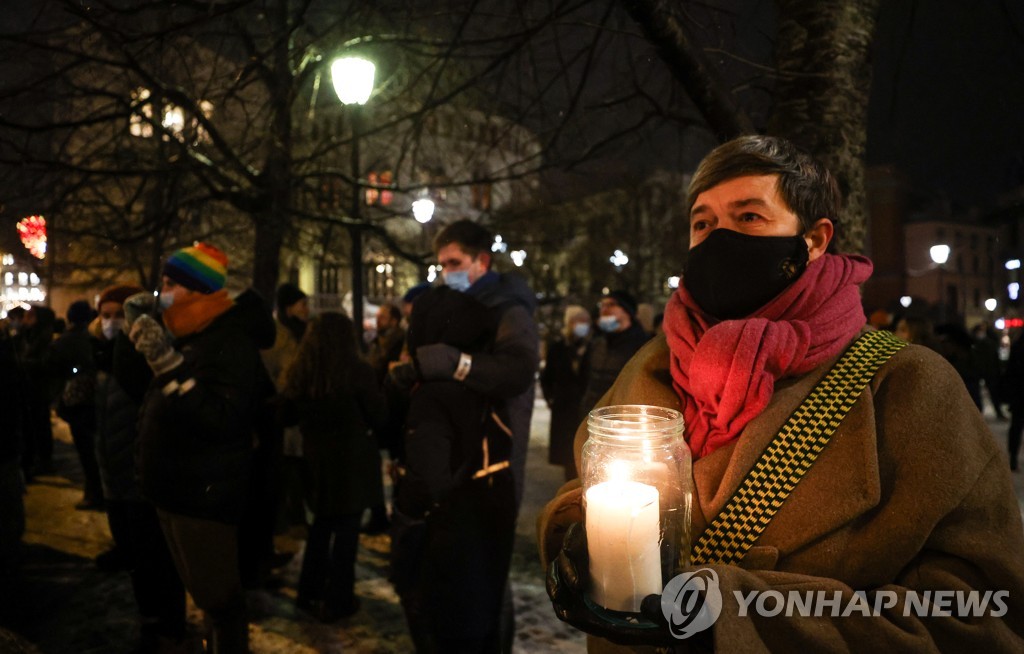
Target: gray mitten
column 137, row 305
column 151, row 342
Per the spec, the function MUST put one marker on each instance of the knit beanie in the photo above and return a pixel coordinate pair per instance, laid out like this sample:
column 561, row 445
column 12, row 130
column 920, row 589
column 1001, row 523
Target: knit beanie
column 118, row 294
column 201, row 267
column 287, row 295
column 625, row 300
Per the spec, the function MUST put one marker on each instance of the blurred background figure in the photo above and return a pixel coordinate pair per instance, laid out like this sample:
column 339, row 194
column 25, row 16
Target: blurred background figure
column 385, row 351
column 990, row 368
column 916, row 330
column 954, row 343
column 32, row 349
column 291, row 313
column 620, row 336
column 331, row 392
column 562, row 383
column 73, row 361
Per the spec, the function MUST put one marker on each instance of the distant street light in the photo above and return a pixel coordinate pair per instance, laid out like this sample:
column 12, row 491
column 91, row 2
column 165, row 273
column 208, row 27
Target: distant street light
column 991, row 304
column 423, row 210
column 906, row 301
column 940, row 255
column 619, row 259
column 353, row 82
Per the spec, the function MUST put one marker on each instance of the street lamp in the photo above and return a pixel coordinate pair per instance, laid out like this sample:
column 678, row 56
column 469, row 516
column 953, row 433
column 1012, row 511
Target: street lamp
column 940, row 255
column 423, row 210
column 353, row 82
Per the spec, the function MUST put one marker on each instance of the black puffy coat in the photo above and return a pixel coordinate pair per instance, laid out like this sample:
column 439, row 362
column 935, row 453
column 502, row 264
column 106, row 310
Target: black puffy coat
column 196, row 424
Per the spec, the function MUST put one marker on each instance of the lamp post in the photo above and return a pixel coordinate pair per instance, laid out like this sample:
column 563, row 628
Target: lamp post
column 353, row 82
column 940, row 255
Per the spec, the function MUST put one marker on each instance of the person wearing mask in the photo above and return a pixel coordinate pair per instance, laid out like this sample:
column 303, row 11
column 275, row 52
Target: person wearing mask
column 196, row 426
column 621, row 335
column 139, row 545
column 907, row 493
column 503, row 371
column 563, row 383
column 72, row 360
column 330, row 390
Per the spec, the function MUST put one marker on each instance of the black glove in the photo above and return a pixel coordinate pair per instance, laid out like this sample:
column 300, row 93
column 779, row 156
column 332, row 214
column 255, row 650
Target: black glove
column 568, row 578
column 437, row 361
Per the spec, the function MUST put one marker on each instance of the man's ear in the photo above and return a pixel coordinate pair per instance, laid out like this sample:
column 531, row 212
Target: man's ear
column 485, row 259
column 818, row 237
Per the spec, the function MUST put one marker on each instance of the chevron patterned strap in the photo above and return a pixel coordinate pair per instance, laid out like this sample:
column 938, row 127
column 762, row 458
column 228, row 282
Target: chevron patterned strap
column 792, row 452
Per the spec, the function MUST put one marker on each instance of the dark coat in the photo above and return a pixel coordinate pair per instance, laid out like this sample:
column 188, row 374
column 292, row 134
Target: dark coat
column 605, row 358
column 121, row 379
column 339, row 446
column 196, row 425
column 563, row 384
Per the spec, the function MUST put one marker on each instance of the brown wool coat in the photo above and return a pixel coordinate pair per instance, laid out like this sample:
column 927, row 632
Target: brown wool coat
column 912, row 493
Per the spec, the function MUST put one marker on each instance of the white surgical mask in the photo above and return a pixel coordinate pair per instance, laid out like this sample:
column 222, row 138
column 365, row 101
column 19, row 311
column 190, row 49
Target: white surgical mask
column 165, row 301
column 581, row 329
column 608, row 324
column 110, row 327
column 457, row 280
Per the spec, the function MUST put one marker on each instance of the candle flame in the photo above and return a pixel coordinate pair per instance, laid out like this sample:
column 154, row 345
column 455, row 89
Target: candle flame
column 619, row 471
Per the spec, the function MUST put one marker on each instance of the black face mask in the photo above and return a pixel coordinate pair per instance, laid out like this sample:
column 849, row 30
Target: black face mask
column 731, row 275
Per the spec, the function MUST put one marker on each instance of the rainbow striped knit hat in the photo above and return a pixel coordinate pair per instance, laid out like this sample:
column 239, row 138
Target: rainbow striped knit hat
column 201, row 267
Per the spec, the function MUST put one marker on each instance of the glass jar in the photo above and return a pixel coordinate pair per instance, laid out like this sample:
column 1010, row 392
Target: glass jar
column 637, row 491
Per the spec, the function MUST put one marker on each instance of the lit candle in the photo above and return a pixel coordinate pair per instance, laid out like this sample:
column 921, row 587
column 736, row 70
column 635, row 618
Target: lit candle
column 622, row 520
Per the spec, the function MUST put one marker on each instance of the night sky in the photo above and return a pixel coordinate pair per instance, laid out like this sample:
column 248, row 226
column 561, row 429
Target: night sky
column 948, row 96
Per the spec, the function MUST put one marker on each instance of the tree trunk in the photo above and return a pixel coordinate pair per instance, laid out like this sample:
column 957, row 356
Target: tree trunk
column 822, row 95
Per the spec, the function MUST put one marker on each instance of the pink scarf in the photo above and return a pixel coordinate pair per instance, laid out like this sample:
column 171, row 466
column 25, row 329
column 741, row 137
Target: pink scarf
column 725, row 372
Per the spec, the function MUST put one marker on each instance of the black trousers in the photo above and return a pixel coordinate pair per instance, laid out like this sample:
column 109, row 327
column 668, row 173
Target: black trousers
column 329, row 562
column 159, row 592
column 460, row 599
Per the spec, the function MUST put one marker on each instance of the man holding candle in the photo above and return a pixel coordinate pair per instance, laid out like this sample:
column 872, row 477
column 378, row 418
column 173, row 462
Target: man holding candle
column 910, row 494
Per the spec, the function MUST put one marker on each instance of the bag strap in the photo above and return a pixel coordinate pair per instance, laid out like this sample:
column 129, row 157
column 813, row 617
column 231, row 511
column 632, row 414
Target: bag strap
column 792, row 452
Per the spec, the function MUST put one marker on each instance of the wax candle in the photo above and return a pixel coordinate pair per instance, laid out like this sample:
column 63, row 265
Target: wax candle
column 622, row 539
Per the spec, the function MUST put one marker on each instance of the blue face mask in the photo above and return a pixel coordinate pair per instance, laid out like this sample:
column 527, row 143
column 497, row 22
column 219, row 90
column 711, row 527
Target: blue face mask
column 580, row 330
column 165, row 301
column 457, row 280
column 608, row 324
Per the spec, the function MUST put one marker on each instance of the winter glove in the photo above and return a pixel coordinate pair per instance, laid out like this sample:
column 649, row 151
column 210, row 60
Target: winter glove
column 151, row 342
column 567, row 581
column 138, row 305
column 441, row 362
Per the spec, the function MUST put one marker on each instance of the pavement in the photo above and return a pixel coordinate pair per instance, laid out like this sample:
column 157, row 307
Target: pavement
column 63, row 603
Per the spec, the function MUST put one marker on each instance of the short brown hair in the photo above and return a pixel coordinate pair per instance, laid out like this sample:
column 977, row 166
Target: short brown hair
column 472, row 237
column 805, row 184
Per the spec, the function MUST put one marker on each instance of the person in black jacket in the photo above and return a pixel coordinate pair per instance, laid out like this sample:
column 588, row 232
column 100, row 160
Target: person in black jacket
column 563, row 384
column 504, row 373
column 620, row 338
column 139, row 544
column 72, row 360
column 196, row 431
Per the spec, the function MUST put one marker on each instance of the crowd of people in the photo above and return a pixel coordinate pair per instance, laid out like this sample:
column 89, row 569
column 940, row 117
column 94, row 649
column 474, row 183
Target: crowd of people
column 204, row 423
